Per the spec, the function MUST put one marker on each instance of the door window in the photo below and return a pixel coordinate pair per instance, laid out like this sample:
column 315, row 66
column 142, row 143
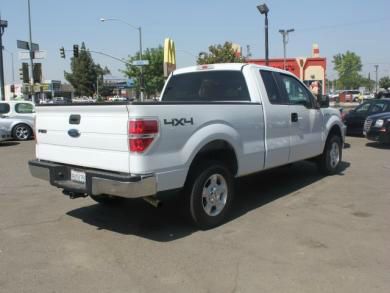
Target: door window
column 378, row 108
column 24, row 108
column 296, row 92
column 4, row 108
column 363, row 108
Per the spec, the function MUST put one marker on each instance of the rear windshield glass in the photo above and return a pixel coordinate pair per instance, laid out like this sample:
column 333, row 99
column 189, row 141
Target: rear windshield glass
column 24, row 108
column 207, row 87
column 4, row 108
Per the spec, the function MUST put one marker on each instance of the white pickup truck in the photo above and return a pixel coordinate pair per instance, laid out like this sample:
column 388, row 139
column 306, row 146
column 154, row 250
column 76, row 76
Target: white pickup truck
column 212, row 124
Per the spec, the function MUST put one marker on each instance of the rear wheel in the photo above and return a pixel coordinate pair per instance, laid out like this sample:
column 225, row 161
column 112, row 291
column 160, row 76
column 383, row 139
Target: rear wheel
column 22, row 132
column 330, row 160
column 209, row 194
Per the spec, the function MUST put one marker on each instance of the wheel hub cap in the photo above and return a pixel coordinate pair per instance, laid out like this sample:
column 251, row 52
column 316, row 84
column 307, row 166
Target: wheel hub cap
column 214, row 195
column 334, row 155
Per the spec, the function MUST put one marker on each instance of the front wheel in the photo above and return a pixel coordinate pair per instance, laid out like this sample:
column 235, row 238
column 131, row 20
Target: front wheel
column 330, row 160
column 209, row 194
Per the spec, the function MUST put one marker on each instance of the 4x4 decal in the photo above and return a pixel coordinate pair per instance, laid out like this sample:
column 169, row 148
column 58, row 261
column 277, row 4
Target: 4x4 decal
column 179, row 122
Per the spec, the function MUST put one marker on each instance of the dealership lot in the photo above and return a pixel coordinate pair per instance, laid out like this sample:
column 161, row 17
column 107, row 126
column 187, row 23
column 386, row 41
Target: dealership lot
column 291, row 231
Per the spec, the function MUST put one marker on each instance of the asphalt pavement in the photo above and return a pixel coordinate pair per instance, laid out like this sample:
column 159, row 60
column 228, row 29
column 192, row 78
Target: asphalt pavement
column 291, row 230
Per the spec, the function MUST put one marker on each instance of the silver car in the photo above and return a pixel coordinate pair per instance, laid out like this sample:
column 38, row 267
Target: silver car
column 20, row 128
column 4, row 135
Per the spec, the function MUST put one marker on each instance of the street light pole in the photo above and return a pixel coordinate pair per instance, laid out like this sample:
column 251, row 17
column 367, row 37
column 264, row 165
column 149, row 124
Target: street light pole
column 285, row 41
column 141, row 79
column 3, row 25
column 263, row 8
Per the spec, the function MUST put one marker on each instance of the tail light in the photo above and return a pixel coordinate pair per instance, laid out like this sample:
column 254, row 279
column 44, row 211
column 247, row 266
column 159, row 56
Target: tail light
column 142, row 133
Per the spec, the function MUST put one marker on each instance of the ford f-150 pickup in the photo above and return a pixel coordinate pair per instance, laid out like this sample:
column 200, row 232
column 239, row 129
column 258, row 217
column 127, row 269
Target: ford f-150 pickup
column 211, row 124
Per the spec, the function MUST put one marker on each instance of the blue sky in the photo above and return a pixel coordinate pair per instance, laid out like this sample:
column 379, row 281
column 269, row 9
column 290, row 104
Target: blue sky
column 337, row 26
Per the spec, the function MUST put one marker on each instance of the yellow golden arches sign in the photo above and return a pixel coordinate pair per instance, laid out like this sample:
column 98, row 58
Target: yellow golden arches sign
column 169, row 56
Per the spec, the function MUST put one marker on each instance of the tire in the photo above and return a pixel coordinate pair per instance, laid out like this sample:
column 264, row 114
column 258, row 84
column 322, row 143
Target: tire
column 209, row 194
column 329, row 162
column 106, row 199
column 22, row 132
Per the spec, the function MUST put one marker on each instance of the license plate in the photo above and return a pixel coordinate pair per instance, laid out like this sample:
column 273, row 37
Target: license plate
column 77, row 176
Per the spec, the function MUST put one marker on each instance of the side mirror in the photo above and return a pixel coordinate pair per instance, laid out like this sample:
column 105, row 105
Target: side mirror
column 324, row 101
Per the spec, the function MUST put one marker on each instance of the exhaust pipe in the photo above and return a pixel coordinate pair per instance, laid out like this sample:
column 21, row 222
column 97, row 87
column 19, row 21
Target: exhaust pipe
column 152, row 200
column 73, row 195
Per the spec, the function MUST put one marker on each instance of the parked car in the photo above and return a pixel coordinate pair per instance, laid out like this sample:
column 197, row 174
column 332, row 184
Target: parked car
column 349, row 96
column 377, row 127
column 21, row 128
column 17, row 108
column 4, row 135
column 354, row 119
column 212, row 124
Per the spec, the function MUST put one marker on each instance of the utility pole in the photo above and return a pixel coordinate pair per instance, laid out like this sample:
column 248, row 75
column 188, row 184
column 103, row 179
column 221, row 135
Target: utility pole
column 376, row 78
column 285, row 41
column 3, row 25
column 31, row 54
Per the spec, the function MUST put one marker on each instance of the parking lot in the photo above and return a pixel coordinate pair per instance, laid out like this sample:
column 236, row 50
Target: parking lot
column 291, row 231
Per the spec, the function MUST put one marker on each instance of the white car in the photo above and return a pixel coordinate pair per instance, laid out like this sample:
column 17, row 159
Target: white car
column 213, row 123
column 17, row 108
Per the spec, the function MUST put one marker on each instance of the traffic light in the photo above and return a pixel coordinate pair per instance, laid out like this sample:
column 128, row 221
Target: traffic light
column 75, row 51
column 62, row 52
column 12, row 88
column 37, row 72
column 23, row 73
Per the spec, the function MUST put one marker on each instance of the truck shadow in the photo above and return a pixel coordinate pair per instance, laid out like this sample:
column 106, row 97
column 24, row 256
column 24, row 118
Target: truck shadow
column 136, row 217
column 378, row 145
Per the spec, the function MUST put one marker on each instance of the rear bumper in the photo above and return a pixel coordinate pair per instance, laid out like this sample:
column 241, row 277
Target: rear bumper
column 97, row 182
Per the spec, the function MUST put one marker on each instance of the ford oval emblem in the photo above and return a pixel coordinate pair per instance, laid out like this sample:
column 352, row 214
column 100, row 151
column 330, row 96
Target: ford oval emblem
column 73, row 133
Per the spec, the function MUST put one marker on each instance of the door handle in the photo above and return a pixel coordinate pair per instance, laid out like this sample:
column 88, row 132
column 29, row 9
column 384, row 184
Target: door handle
column 294, row 117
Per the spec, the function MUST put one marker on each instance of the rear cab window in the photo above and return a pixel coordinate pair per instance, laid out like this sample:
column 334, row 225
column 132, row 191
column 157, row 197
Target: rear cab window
column 207, row 86
column 4, row 108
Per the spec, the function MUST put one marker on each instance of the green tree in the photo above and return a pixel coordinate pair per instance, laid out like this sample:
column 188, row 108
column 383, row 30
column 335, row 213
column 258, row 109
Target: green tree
column 153, row 74
column 348, row 66
column 384, row 82
column 220, row 54
column 84, row 73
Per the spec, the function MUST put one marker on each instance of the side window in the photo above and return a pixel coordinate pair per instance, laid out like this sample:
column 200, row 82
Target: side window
column 377, row 108
column 363, row 108
column 271, row 87
column 4, row 108
column 296, row 92
column 24, row 108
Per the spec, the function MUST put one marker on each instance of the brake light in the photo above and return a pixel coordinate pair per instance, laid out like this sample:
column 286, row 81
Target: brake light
column 141, row 134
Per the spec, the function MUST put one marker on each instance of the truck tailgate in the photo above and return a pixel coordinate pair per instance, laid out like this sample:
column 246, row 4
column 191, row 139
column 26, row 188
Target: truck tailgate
column 99, row 140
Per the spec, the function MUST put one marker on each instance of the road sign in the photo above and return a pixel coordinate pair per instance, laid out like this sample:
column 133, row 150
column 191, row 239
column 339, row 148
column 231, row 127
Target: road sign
column 36, row 55
column 39, row 54
column 26, row 45
column 24, row 55
column 140, row 62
